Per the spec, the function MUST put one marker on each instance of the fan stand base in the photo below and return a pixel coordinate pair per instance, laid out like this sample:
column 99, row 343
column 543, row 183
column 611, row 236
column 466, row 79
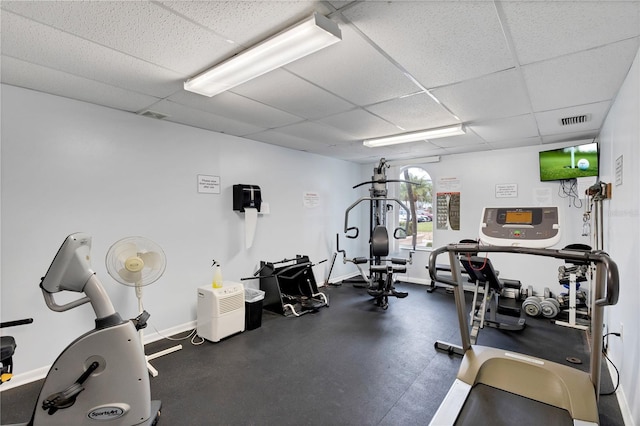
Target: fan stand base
column 150, row 367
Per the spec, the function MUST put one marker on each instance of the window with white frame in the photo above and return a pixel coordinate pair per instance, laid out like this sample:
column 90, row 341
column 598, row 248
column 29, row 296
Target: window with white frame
column 418, row 198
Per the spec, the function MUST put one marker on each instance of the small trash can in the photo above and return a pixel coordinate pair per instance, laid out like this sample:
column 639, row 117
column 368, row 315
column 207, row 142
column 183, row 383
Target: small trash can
column 253, row 308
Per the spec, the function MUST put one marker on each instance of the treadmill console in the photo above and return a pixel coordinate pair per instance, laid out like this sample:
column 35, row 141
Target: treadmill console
column 536, row 227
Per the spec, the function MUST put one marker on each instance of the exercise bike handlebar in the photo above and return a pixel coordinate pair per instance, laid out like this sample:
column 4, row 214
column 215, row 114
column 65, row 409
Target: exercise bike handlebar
column 600, row 258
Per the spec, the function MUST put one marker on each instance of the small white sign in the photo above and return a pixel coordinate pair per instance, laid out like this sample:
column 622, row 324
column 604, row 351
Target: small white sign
column 507, row 190
column 449, row 184
column 208, row 184
column 619, row 171
column 310, row 199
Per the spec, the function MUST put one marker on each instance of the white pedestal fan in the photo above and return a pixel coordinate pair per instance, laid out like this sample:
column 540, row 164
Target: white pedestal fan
column 138, row 262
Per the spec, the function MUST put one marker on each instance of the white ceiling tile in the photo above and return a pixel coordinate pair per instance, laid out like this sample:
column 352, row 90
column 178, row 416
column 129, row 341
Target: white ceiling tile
column 467, row 139
column 25, row 74
column 236, row 107
column 438, row 42
column 414, row 112
column 246, row 22
column 515, row 143
column 581, row 78
column 468, row 148
column 549, row 121
column 360, row 124
column 32, row 42
column 354, row 70
column 586, row 136
column 316, row 132
column 290, row 93
column 501, row 94
column 546, row 29
column 107, row 52
column 274, row 137
column 137, row 28
column 204, row 120
column 520, row 127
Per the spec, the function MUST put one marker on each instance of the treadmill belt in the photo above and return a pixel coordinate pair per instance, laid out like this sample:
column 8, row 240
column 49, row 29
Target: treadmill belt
column 487, row 405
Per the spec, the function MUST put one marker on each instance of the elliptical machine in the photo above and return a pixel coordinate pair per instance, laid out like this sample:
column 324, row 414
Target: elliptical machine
column 379, row 282
column 100, row 378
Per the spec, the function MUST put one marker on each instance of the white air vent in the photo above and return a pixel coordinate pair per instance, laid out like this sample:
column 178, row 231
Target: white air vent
column 568, row 121
column 152, row 114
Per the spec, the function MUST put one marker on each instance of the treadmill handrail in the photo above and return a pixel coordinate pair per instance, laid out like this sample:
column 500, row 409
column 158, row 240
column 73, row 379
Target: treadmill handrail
column 599, row 257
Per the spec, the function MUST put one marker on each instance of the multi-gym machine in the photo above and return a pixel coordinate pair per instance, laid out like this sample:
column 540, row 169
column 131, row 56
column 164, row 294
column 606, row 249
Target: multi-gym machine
column 101, row 377
column 495, row 386
column 379, row 281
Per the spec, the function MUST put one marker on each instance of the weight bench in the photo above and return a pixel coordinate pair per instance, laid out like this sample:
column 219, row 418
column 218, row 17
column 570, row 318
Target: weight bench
column 480, row 269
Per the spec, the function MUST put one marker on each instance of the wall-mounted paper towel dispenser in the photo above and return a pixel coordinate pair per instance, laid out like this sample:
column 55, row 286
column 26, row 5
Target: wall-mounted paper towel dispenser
column 246, row 196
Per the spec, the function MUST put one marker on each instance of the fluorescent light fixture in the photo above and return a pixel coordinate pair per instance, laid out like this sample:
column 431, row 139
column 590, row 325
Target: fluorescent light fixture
column 440, row 132
column 298, row 41
column 415, row 161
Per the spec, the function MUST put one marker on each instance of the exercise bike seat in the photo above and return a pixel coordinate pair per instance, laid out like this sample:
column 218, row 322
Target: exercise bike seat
column 481, row 269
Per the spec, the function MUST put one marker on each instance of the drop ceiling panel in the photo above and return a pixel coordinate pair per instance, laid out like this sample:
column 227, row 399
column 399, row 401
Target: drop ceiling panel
column 468, row 139
column 288, row 141
column 316, row 133
column 137, row 28
column 246, row 22
column 236, row 107
column 515, row 143
column 468, row 148
column 33, row 42
column 437, row 42
column 25, row 74
column 586, row 77
column 124, row 54
column 587, row 136
column 505, row 129
column 360, row 124
column 415, row 112
column 290, row 93
column 501, row 94
column 354, row 70
column 549, row 121
column 204, row 120
column 543, row 30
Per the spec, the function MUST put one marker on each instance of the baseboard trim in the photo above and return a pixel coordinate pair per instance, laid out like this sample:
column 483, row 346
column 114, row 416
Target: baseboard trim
column 40, row 373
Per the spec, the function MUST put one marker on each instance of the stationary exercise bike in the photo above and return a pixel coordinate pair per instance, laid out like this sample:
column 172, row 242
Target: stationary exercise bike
column 100, row 378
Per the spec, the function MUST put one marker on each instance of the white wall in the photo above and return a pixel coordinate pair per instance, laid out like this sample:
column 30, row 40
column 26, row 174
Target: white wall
column 620, row 137
column 479, row 173
column 69, row 166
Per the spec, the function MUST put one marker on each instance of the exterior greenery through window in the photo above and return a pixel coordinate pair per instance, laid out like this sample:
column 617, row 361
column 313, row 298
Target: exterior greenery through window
column 422, row 206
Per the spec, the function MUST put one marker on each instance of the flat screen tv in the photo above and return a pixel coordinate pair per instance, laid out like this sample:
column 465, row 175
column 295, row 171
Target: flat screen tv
column 569, row 163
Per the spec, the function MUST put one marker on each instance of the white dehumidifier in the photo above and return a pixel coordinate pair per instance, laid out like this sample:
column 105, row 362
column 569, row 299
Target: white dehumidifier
column 220, row 311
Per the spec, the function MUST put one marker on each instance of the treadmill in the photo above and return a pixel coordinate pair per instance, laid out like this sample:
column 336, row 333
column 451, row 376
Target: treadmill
column 501, row 387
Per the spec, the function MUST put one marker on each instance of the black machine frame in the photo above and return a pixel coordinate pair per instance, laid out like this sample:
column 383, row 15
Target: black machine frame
column 290, row 286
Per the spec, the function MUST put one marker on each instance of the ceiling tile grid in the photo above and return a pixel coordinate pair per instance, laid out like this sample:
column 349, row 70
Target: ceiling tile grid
column 290, row 93
column 508, row 70
column 437, row 42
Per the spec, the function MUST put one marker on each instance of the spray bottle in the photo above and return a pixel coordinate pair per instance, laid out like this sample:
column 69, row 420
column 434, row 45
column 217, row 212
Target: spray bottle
column 217, row 275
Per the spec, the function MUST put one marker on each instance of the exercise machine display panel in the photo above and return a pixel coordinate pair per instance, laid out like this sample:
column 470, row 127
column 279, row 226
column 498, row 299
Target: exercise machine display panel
column 535, row 227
